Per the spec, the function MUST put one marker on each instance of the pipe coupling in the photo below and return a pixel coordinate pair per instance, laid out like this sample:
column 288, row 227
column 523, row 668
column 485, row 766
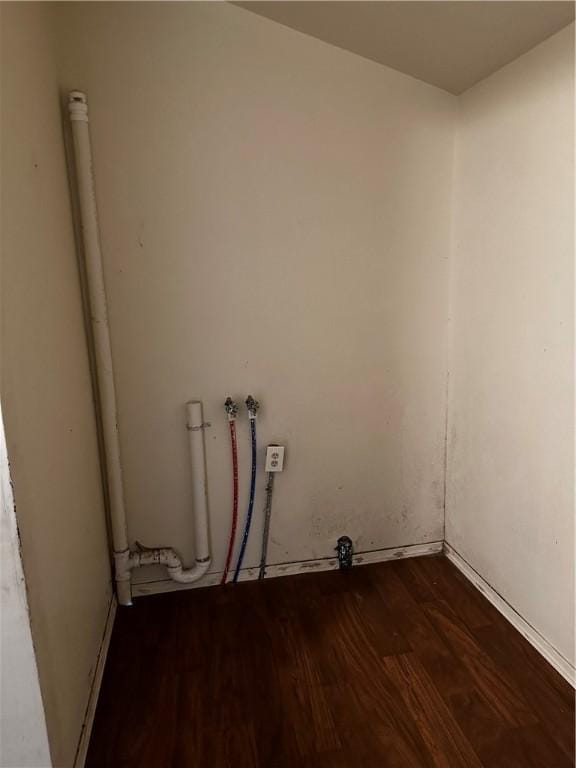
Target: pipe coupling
column 253, row 406
column 231, row 409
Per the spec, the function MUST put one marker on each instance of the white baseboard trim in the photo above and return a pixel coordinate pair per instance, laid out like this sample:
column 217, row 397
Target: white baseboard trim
column 552, row 656
column 84, row 740
column 140, row 589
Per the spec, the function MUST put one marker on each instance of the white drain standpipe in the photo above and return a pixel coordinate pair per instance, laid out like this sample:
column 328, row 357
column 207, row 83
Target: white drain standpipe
column 124, row 559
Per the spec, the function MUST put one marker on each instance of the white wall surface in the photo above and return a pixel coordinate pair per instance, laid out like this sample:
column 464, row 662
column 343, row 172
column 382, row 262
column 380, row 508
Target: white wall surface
column 23, row 736
column 275, row 220
column 510, row 496
column 46, row 390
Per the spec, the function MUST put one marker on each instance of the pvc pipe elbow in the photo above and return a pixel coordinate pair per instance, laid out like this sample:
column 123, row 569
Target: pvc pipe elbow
column 189, row 575
column 168, row 557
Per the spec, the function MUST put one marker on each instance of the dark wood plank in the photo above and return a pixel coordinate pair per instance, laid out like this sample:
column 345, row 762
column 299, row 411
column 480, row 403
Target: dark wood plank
column 415, row 581
column 475, row 717
column 492, row 682
column 443, row 666
column 373, row 735
column 448, row 584
column 445, row 741
column 550, row 696
column 395, row 665
column 528, row 747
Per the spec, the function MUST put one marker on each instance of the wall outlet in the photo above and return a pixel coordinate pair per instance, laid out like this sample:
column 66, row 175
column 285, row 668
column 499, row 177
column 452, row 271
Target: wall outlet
column 275, row 458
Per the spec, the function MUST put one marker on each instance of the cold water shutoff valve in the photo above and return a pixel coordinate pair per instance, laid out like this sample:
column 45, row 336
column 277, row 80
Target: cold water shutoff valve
column 345, row 552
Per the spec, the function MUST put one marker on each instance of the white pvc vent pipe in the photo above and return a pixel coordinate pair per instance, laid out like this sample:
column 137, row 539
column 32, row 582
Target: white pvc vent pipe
column 124, row 559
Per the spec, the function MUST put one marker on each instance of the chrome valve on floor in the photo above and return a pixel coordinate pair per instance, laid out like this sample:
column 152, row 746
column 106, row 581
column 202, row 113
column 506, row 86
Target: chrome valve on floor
column 344, row 551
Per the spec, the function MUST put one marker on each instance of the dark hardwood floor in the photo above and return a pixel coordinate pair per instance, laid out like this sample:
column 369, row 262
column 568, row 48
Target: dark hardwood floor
column 396, row 664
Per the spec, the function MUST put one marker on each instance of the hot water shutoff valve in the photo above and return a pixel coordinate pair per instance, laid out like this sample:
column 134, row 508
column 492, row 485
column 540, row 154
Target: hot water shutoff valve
column 274, row 458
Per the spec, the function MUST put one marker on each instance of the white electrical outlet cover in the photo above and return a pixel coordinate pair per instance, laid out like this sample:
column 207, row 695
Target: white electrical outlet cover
column 274, row 458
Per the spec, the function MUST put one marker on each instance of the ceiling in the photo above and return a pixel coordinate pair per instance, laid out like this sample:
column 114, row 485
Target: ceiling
column 449, row 43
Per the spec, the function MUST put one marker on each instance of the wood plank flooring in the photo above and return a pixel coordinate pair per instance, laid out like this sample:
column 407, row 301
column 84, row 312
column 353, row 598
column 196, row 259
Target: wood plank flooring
column 397, row 664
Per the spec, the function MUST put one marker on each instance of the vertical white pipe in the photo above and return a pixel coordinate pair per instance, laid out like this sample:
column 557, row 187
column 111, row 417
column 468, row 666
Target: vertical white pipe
column 124, row 560
column 78, row 108
column 199, row 490
column 167, row 555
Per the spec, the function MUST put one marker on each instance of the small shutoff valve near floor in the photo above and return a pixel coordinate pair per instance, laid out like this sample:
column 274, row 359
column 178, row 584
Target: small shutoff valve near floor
column 345, row 551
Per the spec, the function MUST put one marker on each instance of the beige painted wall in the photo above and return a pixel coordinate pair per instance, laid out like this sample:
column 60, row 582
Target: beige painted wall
column 23, row 734
column 275, row 220
column 46, row 392
column 510, row 503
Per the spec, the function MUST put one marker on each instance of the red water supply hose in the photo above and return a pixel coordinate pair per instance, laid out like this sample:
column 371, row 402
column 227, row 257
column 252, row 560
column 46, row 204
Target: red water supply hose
column 234, row 444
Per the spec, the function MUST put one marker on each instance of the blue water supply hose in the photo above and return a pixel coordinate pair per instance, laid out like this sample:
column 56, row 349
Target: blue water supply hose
column 252, row 406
